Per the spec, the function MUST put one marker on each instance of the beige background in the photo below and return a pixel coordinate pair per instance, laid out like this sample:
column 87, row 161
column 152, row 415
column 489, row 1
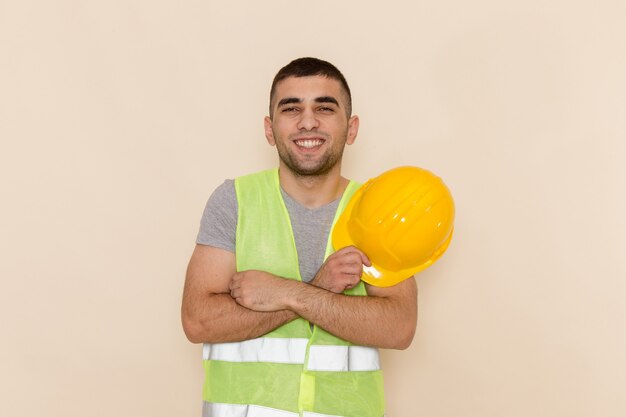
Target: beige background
column 118, row 119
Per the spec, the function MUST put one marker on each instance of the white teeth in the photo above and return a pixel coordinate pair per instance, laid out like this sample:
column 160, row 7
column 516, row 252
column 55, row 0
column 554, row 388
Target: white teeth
column 309, row 143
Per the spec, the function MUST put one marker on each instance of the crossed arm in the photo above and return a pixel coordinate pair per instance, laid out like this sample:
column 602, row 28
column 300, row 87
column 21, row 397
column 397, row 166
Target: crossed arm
column 222, row 305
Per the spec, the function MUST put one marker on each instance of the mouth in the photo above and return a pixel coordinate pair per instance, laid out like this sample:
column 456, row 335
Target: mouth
column 308, row 143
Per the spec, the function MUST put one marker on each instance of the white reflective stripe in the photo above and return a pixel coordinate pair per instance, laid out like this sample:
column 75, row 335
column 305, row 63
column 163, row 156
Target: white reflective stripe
column 239, row 410
column 224, row 410
column 328, row 358
column 263, row 349
column 343, row 358
column 364, row 359
column 258, row 411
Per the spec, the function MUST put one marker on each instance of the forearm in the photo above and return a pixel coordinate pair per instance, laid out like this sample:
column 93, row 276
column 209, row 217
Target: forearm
column 386, row 318
column 382, row 322
column 220, row 319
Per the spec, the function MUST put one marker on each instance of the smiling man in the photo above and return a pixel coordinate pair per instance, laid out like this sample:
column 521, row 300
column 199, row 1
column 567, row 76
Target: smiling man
column 288, row 327
column 312, row 113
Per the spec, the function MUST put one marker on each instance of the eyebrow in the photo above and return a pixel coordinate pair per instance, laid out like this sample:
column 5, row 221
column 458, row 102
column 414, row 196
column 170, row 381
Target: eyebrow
column 295, row 100
column 327, row 99
column 289, row 100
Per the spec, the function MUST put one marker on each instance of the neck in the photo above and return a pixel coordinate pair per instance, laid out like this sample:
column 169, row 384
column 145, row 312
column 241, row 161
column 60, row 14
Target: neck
column 313, row 191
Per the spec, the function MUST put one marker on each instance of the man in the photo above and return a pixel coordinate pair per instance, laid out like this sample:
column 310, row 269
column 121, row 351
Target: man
column 288, row 327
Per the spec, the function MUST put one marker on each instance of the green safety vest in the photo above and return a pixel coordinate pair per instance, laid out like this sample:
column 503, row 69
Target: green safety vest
column 296, row 370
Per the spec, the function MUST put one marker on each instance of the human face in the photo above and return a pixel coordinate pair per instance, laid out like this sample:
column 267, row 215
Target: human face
column 310, row 127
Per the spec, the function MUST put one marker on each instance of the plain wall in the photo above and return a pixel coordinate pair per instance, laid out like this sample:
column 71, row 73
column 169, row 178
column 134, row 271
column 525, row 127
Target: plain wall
column 118, row 119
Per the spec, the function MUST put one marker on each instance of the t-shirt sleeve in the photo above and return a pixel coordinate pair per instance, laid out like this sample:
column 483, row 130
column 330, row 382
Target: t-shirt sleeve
column 219, row 221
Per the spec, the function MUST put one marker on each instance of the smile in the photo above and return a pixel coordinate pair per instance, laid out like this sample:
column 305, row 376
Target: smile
column 308, row 143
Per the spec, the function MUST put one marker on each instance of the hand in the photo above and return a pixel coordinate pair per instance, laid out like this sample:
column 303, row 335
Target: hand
column 258, row 290
column 342, row 270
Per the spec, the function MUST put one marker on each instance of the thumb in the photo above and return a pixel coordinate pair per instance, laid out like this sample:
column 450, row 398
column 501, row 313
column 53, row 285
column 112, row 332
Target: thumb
column 365, row 259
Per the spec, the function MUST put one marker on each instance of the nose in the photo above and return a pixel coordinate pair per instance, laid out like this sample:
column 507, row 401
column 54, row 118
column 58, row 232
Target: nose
column 308, row 120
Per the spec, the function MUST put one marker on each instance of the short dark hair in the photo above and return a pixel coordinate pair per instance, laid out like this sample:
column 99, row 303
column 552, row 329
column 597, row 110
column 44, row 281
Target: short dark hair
column 307, row 67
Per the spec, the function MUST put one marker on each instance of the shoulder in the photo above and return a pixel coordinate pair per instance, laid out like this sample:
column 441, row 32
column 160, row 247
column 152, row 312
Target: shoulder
column 224, row 192
column 257, row 180
column 219, row 220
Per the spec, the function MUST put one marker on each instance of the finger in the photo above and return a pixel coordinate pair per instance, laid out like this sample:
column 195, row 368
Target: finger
column 353, row 273
column 355, row 262
column 352, row 281
column 234, row 281
column 352, row 278
column 365, row 259
column 362, row 257
column 354, row 251
column 346, row 251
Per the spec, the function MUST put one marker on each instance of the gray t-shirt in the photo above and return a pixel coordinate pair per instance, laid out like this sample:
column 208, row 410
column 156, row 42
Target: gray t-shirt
column 310, row 226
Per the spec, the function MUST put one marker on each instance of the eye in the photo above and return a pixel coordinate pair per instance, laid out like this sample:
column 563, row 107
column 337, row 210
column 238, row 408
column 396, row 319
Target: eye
column 289, row 109
column 325, row 109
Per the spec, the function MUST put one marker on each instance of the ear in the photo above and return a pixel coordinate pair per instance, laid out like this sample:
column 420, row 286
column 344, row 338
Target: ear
column 353, row 129
column 269, row 133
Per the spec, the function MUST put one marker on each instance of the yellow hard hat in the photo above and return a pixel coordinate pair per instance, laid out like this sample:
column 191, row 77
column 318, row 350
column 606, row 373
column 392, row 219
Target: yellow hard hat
column 402, row 220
